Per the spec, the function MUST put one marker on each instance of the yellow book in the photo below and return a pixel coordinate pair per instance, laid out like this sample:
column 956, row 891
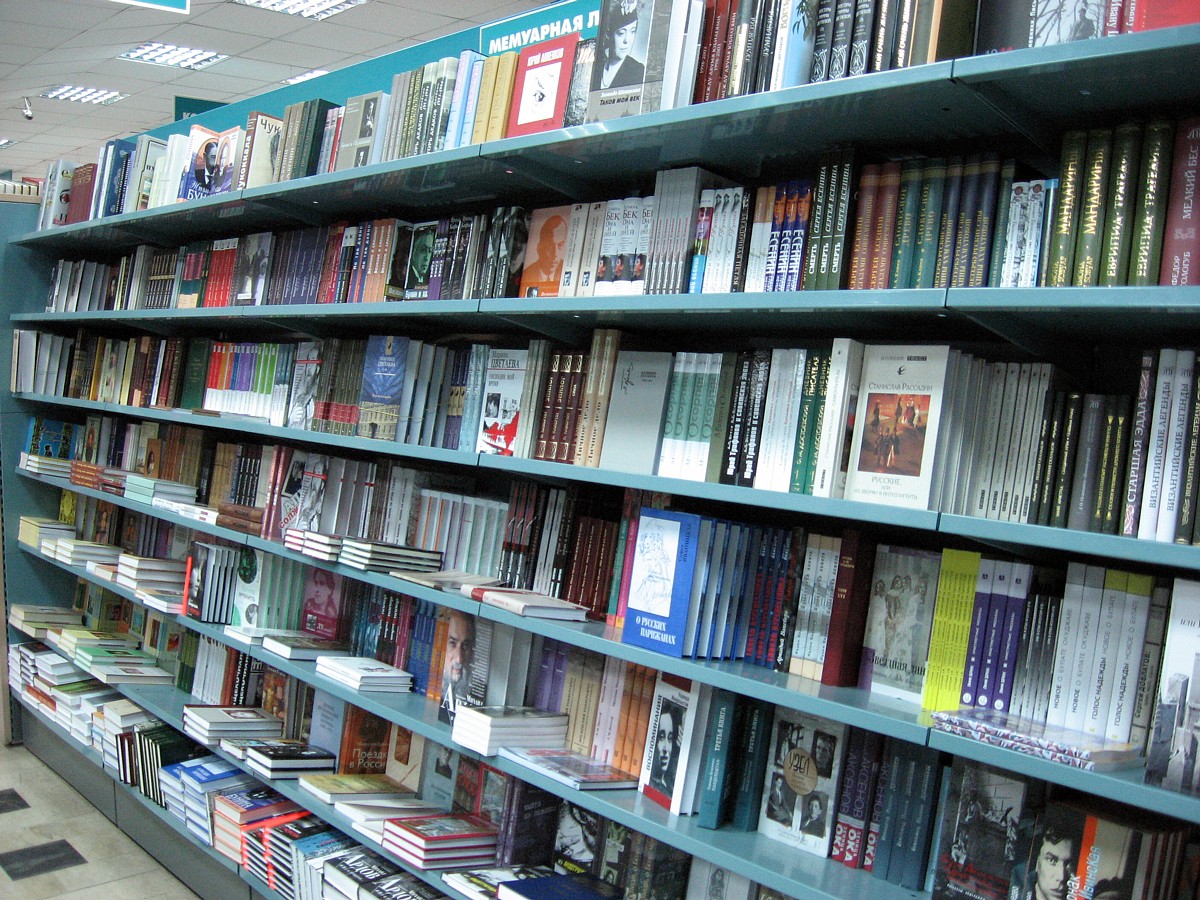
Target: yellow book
column 951, row 629
column 483, row 108
column 506, row 73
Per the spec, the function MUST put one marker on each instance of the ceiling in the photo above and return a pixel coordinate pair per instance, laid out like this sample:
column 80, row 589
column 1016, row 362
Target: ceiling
column 46, row 43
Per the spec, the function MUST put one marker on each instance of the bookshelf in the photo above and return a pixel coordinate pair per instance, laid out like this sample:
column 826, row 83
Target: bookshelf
column 1019, row 102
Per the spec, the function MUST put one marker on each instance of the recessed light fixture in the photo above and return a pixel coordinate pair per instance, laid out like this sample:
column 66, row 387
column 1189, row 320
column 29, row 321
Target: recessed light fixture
column 309, row 9
column 170, row 55
column 83, row 94
column 5, row 143
column 296, row 79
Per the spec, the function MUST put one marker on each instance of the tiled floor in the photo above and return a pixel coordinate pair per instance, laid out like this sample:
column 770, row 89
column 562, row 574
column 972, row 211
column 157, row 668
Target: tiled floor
column 41, row 813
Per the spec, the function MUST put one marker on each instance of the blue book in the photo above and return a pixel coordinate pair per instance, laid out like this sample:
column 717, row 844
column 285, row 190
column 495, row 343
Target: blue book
column 382, row 385
column 559, row 887
column 660, row 584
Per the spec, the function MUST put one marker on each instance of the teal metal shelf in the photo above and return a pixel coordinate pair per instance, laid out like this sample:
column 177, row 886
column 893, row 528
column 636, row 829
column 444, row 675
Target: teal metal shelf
column 758, row 858
column 1124, row 785
column 1064, row 540
column 856, row 707
column 1085, row 84
column 256, row 426
column 93, row 756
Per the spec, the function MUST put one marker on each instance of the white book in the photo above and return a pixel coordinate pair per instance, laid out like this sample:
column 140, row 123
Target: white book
column 1090, row 617
column 974, row 398
column 500, row 413
column 891, row 462
column 670, row 447
column 1156, row 451
column 1181, row 404
column 1095, row 720
column 1016, row 381
column 804, row 603
column 1127, row 657
column 1019, row 505
column 989, row 439
column 573, row 250
column 837, row 423
column 589, row 255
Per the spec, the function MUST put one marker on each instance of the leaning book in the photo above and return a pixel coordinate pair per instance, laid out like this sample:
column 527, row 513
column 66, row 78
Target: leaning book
column 896, row 424
column 1171, row 759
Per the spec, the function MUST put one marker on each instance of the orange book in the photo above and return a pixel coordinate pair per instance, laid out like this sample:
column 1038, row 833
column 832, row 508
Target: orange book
column 438, row 660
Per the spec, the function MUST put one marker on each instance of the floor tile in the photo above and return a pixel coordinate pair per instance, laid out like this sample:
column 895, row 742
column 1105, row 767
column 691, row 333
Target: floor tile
column 10, row 800
column 40, row 859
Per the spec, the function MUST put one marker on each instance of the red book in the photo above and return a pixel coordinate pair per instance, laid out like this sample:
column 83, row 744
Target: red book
column 1148, row 14
column 1181, row 237
column 543, row 80
column 79, row 207
column 848, row 618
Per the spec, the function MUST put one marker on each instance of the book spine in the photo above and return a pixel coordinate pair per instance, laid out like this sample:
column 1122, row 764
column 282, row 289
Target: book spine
column 1060, row 262
column 1119, row 216
column 1149, row 219
column 1181, row 240
column 1092, row 203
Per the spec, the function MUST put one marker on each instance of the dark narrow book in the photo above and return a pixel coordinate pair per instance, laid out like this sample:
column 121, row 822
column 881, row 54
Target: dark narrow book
column 1060, row 259
column 1150, row 212
column 1181, row 238
column 1092, row 207
column 1119, row 205
column 1139, row 444
column 1068, row 448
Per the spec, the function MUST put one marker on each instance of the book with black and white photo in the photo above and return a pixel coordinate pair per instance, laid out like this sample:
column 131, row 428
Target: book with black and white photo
column 804, row 765
column 1171, row 757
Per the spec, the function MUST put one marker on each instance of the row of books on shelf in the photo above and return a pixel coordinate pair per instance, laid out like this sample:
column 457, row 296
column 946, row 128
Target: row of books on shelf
column 691, row 585
column 904, row 813
column 957, row 432
column 687, row 53
column 1115, row 215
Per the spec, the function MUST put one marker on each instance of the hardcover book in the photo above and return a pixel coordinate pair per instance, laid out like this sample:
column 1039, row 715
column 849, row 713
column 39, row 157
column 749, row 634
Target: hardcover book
column 500, row 415
column 543, row 79
column 896, row 425
column 1171, row 756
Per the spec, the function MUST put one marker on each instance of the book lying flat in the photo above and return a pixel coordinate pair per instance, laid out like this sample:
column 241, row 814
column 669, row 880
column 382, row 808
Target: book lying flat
column 526, row 603
column 577, row 770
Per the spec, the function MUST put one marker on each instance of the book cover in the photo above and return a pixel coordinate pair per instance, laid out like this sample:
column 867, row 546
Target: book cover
column 544, row 253
column 200, row 174
column 631, row 57
column 988, row 816
column 896, row 425
column 577, row 840
column 542, row 83
column 675, row 716
column 802, row 776
column 500, row 415
column 382, row 386
column 899, row 621
column 660, row 584
column 1171, row 755
column 635, row 411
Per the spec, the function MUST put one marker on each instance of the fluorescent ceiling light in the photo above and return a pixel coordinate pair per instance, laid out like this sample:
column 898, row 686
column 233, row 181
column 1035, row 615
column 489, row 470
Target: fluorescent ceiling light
column 309, row 9
column 83, row 94
column 170, row 55
column 5, row 142
column 296, row 79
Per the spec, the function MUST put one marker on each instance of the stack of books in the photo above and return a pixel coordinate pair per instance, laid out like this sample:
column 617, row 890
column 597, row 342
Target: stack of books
column 572, row 768
column 329, row 788
column 360, row 869
column 482, row 884
column 35, row 619
column 252, row 804
column 442, row 842
column 32, row 530
column 485, row 729
column 365, row 674
column 210, row 775
column 75, row 552
column 130, row 671
column 208, row 724
column 160, row 576
column 379, row 556
column 145, row 489
column 52, row 669
column 46, row 465
column 86, row 474
column 112, row 480
column 522, row 602
column 316, row 544
column 302, row 645
column 71, row 640
column 288, row 759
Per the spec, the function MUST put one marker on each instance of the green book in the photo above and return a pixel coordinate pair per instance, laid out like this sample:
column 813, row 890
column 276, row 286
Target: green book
column 995, row 263
column 933, row 188
column 832, row 279
column 801, row 456
column 948, row 223
column 825, row 357
column 1093, row 194
column 908, row 206
column 1059, row 264
column 966, row 220
column 1150, row 215
column 195, row 373
column 723, row 402
column 1118, row 216
column 812, row 253
column 984, row 222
